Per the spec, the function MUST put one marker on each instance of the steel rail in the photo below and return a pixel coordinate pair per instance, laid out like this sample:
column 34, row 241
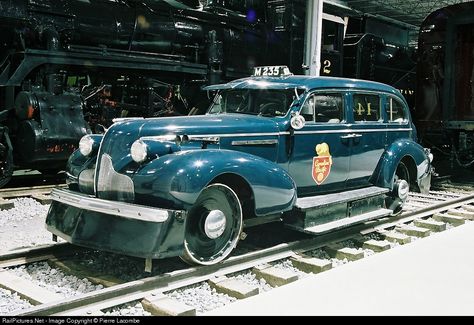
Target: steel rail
column 37, row 254
column 28, row 191
column 92, row 303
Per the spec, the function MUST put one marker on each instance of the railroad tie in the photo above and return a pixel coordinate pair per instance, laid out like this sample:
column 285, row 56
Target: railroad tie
column 413, row 230
column 162, row 305
column 468, row 207
column 449, row 218
column 310, row 264
column 27, row 290
column 340, row 252
column 372, row 244
column 6, row 204
column 42, row 198
column 233, row 287
column 274, row 276
column 432, row 225
column 396, row 237
column 469, row 215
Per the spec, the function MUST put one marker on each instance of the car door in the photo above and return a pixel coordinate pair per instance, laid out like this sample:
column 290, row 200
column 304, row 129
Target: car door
column 368, row 136
column 319, row 160
column 398, row 119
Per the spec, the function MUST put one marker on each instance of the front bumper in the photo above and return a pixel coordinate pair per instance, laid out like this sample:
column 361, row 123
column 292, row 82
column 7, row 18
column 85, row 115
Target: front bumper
column 114, row 226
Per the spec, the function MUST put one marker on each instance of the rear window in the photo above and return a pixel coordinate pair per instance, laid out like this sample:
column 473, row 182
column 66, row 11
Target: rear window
column 396, row 112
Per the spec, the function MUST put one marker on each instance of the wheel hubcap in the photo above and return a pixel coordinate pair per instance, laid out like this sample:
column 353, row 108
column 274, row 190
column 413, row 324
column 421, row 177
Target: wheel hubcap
column 402, row 189
column 215, row 223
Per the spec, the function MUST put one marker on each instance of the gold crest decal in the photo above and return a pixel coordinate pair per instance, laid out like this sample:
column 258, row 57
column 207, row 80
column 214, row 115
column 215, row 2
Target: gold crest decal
column 322, row 163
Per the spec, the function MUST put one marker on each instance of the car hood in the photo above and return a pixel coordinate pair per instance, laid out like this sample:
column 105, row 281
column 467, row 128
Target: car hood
column 119, row 137
column 217, row 124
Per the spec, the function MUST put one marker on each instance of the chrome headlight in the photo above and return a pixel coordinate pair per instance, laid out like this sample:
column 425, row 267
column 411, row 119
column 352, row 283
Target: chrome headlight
column 139, row 151
column 429, row 154
column 86, row 144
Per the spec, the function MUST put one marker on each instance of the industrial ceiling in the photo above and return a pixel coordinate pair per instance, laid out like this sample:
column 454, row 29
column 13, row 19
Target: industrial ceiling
column 411, row 12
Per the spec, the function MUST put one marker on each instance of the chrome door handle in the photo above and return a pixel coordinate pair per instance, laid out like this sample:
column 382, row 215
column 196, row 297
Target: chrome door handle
column 351, row 136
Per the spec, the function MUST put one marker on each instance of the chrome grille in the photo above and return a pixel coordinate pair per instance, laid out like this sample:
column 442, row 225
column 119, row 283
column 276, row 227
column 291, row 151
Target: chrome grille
column 112, row 185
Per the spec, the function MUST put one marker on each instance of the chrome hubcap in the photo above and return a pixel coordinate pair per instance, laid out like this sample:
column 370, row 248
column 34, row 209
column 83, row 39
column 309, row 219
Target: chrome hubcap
column 215, row 223
column 403, row 189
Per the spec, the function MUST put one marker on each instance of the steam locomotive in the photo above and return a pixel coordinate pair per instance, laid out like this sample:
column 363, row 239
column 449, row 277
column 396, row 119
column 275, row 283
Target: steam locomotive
column 69, row 67
column 445, row 83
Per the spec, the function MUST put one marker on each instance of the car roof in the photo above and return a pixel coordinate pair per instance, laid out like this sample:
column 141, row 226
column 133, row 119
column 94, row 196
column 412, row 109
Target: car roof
column 303, row 82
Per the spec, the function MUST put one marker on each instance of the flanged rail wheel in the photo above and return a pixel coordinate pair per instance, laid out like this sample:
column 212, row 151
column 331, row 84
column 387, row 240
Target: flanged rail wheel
column 213, row 226
column 401, row 187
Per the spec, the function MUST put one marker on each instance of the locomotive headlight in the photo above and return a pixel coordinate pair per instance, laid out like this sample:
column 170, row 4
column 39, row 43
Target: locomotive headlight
column 139, row 151
column 86, row 144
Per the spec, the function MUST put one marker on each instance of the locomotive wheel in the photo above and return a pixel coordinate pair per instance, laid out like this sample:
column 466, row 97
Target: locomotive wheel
column 6, row 167
column 213, row 226
column 401, row 187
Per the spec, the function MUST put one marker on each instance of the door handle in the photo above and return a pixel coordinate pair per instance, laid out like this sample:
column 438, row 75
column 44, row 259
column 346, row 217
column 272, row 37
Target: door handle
column 351, row 136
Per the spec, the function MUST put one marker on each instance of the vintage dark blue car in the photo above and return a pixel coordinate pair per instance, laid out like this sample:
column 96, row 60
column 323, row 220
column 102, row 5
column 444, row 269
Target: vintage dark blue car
column 316, row 153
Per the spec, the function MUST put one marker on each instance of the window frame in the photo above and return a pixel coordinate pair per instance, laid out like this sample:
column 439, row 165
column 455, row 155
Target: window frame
column 340, row 92
column 370, row 93
column 406, row 114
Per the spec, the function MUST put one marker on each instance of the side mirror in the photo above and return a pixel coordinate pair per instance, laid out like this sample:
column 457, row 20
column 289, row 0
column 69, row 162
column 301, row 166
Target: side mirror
column 297, row 122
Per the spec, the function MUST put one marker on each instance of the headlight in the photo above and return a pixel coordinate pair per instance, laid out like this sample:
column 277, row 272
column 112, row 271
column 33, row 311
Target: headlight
column 430, row 156
column 138, row 151
column 86, row 145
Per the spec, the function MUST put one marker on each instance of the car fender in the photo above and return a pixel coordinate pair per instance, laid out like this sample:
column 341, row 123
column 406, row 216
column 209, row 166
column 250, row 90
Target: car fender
column 399, row 149
column 176, row 180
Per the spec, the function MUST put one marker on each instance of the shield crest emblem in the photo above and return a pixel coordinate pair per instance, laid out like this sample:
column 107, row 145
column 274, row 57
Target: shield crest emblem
column 322, row 163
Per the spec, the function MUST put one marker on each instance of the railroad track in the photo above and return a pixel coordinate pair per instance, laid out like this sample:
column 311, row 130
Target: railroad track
column 424, row 214
column 40, row 193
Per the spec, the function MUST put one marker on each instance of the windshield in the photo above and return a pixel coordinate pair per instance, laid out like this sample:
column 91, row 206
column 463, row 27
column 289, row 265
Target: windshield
column 263, row 102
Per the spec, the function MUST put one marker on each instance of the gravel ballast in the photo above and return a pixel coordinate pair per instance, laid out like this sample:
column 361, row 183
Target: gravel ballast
column 201, row 296
column 43, row 275
column 10, row 301
column 23, row 225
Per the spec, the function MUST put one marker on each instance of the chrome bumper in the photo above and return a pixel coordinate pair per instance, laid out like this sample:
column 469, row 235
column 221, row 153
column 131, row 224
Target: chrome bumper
column 126, row 210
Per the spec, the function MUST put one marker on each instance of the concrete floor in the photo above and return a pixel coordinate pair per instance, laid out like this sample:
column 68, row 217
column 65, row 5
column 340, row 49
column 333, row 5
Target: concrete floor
column 431, row 276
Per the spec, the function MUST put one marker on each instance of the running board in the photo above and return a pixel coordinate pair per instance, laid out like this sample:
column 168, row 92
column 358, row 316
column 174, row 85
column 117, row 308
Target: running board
column 334, row 225
column 322, row 213
column 312, row 202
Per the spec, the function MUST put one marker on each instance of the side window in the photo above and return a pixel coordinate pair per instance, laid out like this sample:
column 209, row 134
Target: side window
column 323, row 108
column 366, row 107
column 307, row 111
column 396, row 111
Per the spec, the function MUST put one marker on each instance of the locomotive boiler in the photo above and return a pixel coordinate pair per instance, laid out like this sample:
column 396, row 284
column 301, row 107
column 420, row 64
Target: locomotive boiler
column 445, row 83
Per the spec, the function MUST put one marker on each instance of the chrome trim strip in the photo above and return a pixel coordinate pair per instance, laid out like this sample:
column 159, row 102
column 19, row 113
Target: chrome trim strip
column 398, row 130
column 126, row 210
column 211, row 137
column 254, row 142
column 125, row 119
column 230, row 135
column 96, row 176
column 353, row 131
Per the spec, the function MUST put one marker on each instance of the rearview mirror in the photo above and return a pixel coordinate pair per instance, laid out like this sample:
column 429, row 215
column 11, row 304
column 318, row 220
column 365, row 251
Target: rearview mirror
column 297, row 122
